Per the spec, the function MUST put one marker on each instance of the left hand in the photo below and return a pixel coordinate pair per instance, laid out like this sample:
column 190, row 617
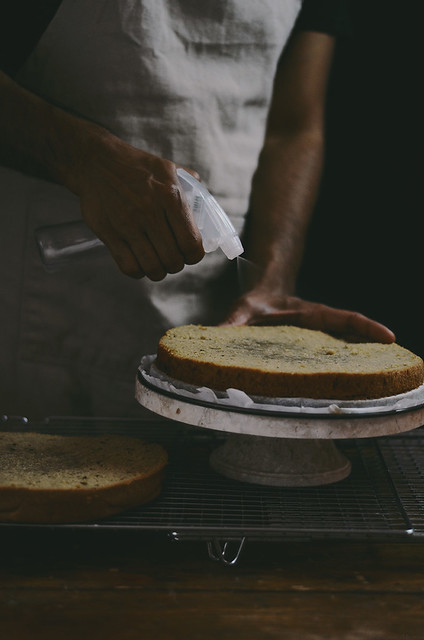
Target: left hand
column 257, row 307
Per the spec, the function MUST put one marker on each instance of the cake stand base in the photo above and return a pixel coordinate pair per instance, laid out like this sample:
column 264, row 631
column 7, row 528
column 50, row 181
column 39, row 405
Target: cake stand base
column 286, row 462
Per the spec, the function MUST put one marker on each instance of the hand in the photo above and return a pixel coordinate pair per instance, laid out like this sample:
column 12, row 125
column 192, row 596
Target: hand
column 256, row 307
column 133, row 202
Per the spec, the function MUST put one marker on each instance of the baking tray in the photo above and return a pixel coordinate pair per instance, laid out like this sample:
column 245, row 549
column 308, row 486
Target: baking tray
column 382, row 499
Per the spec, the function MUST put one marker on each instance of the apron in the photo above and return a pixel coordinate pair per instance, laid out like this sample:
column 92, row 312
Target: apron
column 188, row 81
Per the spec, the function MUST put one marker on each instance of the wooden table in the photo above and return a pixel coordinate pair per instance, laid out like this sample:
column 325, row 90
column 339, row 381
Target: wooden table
column 128, row 586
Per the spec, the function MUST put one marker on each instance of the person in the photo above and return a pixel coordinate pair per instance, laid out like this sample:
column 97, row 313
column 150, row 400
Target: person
column 363, row 249
column 94, row 122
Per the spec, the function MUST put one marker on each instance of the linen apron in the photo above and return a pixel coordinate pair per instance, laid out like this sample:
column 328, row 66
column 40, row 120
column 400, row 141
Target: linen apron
column 189, row 81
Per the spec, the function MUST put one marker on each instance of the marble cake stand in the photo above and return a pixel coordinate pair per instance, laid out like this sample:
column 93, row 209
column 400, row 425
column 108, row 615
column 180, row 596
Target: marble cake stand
column 278, row 450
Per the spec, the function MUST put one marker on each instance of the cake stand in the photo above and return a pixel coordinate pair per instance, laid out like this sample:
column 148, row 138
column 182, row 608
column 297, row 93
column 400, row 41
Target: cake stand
column 276, row 448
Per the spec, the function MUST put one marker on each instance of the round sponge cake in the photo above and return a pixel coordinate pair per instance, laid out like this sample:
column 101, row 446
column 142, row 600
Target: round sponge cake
column 57, row 479
column 287, row 361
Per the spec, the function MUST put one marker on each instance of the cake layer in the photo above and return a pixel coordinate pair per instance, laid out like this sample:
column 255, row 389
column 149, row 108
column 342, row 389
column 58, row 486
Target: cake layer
column 52, row 478
column 287, row 361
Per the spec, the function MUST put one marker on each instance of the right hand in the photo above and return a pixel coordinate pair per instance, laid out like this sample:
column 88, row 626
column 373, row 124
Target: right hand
column 133, row 202
column 261, row 308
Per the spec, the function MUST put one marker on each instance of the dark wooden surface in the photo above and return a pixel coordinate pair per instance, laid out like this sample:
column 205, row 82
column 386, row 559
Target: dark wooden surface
column 127, row 586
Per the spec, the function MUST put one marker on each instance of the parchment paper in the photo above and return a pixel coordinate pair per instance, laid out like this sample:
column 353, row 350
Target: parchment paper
column 300, row 406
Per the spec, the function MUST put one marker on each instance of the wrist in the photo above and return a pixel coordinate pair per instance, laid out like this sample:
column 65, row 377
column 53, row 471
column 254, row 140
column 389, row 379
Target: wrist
column 275, row 284
column 268, row 271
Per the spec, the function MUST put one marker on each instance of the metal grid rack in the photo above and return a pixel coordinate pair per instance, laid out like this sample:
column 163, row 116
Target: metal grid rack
column 383, row 498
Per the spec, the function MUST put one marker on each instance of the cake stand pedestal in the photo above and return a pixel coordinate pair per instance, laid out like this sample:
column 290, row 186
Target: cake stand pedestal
column 279, row 450
column 280, row 462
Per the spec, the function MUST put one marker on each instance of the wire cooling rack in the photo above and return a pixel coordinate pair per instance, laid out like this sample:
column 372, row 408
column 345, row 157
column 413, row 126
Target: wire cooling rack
column 383, row 497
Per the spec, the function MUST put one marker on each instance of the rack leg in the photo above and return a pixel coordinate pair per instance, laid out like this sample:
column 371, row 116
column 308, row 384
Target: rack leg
column 227, row 551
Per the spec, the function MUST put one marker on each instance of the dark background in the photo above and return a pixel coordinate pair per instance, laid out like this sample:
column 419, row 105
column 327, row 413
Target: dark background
column 364, row 250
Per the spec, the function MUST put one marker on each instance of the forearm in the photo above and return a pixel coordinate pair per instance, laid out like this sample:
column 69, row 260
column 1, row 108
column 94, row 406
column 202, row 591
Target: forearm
column 283, row 195
column 285, row 184
column 130, row 198
column 41, row 139
column 284, row 192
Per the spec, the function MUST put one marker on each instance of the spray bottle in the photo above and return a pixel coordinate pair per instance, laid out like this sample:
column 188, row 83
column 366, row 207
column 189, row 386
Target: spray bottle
column 61, row 244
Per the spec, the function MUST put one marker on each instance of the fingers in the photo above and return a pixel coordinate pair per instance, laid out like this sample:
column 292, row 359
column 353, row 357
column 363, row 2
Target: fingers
column 134, row 203
column 163, row 237
column 309, row 315
column 351, row 322
column 136, row 257
column 124, row 257
column 159, row 251
column 323, row 318
column 156, row 241
column 178, row 225
column 140, row 259
column 191, row 171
